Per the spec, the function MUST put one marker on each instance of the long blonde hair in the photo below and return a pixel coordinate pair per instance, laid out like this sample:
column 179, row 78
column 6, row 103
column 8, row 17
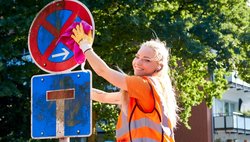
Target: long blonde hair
column 168, row 95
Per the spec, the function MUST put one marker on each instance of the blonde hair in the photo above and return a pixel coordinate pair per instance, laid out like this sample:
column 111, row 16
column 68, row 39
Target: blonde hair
column 168, row 95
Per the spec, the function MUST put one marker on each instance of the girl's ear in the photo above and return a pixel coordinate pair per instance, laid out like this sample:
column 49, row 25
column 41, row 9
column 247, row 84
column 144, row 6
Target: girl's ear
column 159, row 68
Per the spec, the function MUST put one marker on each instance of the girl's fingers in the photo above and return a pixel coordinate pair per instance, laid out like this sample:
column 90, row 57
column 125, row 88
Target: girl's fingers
column 74, row 31
column 74, row 37
column 81, row 29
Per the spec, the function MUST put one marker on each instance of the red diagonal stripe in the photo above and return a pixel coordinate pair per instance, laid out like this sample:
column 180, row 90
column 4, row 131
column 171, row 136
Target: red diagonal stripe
column 50, row 28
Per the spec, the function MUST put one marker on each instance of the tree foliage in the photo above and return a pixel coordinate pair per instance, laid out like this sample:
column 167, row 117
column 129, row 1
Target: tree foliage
column 207, row 40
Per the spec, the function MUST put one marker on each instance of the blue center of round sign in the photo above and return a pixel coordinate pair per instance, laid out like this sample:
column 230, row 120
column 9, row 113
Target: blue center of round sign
column 61, row 52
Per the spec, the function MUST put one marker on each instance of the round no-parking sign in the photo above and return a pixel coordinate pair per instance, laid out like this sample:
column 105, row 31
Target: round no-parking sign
column 47, row 27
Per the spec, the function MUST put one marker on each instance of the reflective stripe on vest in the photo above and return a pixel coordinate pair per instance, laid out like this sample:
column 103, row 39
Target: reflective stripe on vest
column 137, row 124
column 144, row 140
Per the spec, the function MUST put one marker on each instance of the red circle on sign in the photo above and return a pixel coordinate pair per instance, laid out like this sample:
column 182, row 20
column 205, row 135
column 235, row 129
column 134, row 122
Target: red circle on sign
column 41, row 59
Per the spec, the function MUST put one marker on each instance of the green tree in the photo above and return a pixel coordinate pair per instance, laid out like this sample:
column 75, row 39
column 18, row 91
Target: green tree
column 15, row 70
column 207, row 40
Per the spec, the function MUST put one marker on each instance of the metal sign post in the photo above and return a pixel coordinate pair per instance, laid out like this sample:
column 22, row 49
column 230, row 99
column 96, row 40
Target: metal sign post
column 64, row 139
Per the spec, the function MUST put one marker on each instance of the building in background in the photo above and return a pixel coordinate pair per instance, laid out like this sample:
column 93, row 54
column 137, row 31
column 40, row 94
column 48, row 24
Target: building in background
column 230, row 119
column 225, row 122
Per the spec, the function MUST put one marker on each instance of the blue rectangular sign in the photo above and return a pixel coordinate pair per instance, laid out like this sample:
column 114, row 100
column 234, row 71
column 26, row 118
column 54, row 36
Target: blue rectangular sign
column 61, row 105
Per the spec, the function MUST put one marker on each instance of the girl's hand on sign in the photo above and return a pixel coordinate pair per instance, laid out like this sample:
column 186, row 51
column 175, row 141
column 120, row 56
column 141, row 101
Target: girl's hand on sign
column 85, row 41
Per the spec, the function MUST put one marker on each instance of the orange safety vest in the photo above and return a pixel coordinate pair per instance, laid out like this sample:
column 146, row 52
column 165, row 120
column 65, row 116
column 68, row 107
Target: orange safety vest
column 141, row 126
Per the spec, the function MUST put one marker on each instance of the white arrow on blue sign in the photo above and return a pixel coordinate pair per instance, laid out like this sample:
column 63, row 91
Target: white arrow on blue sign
column 61, row 105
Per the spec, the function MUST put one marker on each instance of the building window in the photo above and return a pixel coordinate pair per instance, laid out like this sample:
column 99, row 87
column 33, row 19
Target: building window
column 222, row 107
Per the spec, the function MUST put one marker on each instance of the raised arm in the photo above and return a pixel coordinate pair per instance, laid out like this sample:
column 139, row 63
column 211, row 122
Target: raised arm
column 104, row 97
column 99, row 66
column 102, row 69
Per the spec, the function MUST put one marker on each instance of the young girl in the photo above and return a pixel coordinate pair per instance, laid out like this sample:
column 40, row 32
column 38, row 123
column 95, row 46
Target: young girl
column 147, row 101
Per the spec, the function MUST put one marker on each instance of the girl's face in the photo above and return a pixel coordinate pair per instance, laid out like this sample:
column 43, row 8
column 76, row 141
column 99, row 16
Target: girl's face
column 144, row 63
